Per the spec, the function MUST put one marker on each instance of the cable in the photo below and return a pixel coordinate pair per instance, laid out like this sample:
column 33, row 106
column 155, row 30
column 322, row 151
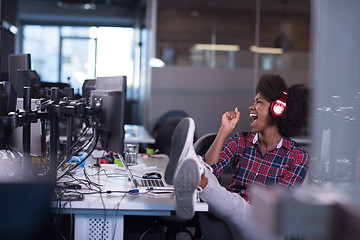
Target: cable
column 58, row 218
column 89, row 150
column 86, row 182
column 116, row 215
column 148, row 230
column 72, row 147
column 102, row 201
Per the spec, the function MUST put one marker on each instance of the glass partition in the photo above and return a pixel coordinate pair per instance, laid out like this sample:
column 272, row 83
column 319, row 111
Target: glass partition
column 229, row 34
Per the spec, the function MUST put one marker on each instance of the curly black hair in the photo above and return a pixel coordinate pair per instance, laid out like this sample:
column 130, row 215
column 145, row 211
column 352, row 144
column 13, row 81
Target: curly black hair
column 295, row 116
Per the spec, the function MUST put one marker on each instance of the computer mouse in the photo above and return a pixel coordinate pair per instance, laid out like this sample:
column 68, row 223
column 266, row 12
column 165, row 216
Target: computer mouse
column 152, row 175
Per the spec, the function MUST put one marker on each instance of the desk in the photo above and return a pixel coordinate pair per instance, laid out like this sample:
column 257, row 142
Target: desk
column 137, row 134
column 91, row 213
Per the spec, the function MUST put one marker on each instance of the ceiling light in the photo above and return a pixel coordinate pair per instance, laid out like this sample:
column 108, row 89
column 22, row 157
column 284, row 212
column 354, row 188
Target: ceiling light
column 76, row 4
column 266, row 50
column 156, row 62
column 217, row 47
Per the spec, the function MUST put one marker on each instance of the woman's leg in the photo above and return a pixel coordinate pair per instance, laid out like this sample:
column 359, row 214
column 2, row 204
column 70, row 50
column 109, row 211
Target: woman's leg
column 232, row 209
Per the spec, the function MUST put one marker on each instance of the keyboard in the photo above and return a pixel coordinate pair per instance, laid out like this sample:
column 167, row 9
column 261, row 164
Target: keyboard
column 152, row 183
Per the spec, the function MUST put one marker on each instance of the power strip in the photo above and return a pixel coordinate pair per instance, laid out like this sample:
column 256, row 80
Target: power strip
column 61, row 196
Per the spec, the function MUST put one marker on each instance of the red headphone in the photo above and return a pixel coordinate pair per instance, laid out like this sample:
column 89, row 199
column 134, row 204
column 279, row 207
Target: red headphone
column 278, row 106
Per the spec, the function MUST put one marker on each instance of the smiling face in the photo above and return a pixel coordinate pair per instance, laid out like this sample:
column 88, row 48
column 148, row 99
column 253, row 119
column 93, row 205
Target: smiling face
column 259, row 112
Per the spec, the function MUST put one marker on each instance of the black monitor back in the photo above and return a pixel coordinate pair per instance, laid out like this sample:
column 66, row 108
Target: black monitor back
column 87, row 87
column 29, row 78
column 110, row 98
column 18, row 62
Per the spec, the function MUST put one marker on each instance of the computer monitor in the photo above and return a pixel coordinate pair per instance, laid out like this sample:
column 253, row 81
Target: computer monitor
column 7, row 104
column 11, row 94
column 87, row 87
column 3, row 100
column 29, row 78
column 18, row 62
column 109, row 98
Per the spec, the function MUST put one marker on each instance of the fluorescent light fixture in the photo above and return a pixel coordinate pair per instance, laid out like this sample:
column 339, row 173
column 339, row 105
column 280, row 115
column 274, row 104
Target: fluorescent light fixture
column 217, row 47
column 267, row 50
column 156, row 62
column 81, row 5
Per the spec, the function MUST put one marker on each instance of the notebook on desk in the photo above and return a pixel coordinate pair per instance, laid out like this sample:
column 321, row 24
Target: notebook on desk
column 155, row 185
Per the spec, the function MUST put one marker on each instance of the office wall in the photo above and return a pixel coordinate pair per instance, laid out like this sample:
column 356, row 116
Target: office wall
column 206, row 93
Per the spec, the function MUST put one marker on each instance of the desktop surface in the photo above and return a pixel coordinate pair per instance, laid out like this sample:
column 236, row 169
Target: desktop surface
column 110, row 208
column 113, row 178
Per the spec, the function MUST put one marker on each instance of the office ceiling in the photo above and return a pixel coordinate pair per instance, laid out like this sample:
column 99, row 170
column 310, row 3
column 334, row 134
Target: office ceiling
column 103, row 2
column 79, row 12
column 121, row 12
column 106, row 3
column 294, row 6
column 124, row 3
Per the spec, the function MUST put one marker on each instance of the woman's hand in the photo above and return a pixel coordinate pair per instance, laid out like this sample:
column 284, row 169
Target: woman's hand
column 203, row 181
column 230, row 119
column 228, row 123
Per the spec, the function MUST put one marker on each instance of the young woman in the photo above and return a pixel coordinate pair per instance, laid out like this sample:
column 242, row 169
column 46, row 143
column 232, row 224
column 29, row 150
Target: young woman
column 266, row 156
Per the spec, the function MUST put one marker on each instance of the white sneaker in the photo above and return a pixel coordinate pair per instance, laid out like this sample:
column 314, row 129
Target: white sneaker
column 181, row 142
column 184, row 168
column 186, row 184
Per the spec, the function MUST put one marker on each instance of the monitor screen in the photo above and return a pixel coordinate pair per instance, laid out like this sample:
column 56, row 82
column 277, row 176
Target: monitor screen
column 18, row 62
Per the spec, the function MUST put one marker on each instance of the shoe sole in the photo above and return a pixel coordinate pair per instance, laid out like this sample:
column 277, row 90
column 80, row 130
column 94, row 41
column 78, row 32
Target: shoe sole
column 181, row 141
column 185, row 184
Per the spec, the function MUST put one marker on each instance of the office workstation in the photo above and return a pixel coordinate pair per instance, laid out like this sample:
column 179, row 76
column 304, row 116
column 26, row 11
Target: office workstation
column 86, row 184
column 191, row 60
column 119, row 198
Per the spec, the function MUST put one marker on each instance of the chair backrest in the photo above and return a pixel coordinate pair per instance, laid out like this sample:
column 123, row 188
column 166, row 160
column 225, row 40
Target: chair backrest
column 202, row 144
column 164, row 133
column 169, row 114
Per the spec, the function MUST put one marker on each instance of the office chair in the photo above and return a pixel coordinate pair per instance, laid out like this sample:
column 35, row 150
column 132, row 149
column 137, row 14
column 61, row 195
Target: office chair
column 164, row 128
column 203, row 143
column 164, row 133
column 169, row 114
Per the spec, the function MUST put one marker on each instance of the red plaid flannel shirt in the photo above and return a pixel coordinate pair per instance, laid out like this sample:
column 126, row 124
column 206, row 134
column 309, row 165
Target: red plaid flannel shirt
column 285, row 166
